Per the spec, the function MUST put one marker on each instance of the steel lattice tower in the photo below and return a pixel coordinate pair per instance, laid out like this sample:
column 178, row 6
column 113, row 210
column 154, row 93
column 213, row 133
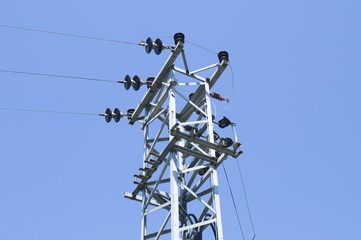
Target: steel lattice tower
column 175, row 178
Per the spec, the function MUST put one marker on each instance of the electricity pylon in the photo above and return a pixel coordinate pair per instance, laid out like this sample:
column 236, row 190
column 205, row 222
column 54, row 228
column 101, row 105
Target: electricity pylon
column 172, row 181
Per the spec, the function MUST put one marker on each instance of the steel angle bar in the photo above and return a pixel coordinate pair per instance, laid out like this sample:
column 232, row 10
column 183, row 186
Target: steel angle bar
column 152, row 235
column 196, row 196
column 205, row 211
column 187, row 74
column 201, row 181
column 155, row 140
column 199, row 149
column 194, row 174
column 190, row 102
column 197, row 224
column 157, row 183
column 195, row 154
column 175, row 132
column 201, row 194
column 189, row 84
column 158, row 106
column 200, row 92
column 160, row 232
column 159, row 192
column 193, row 168
column 147, row 122
column 185, row 61
column 160, row 139
column 157, row 83
column 158, row 162
column 157, row 208
column 140, row 199
column 166, row 180
column 193, row 122
column 205, row 68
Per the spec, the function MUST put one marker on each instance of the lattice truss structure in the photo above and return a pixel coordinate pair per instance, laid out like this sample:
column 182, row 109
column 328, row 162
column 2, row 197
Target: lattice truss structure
column 178, row 182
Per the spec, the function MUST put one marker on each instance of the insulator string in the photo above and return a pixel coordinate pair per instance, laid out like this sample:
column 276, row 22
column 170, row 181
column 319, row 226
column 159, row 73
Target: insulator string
column 49, row 111
column 68, row 34
column 59, row 76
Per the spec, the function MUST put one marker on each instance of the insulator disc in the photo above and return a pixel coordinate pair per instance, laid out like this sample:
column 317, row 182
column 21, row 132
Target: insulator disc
column 149, row 81
column 130, row 113
column 159, row 46
column 148, row 45
column 226, row 142
column 108, row 115
column 117, row 115
column 178, row 37
column 127, row 82
column 223, row 55
column 137, row 83
column 224, row 122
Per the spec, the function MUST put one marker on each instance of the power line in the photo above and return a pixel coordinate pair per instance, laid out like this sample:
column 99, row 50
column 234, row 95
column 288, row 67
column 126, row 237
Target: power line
column 234, row 203
column 60, row 76
column 245, row 196
column 68, row 34
column 197, row 45
column 49, row 111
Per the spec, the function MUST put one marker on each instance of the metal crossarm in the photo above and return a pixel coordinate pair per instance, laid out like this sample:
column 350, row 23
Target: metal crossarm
column 157, row 84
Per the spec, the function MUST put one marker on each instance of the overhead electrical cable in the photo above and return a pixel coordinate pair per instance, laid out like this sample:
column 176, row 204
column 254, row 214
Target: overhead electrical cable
column 49, row 111
column 245, row 196
column 60, row 76
column 68, row 34
column 234, row 203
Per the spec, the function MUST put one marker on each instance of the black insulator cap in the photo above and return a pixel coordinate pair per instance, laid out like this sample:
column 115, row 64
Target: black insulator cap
column 127, row 82
column 202, row 171
column 223, row 55
column 149, row 81
column 148, row 45
column 190, row 96
column 130, row 113
column 178, row 37
column 137, row 83
column 108, row 115
column 159, row 46
column 226, row 142
column 224, row 122
column 117, row 115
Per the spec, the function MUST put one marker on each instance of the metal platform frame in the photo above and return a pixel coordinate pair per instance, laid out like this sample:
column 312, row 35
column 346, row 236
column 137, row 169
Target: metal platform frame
column 185, row 155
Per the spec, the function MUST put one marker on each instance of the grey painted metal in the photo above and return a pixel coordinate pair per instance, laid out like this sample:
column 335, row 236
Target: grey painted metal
column 173, row 174
column 183, row 156
column 157, row 83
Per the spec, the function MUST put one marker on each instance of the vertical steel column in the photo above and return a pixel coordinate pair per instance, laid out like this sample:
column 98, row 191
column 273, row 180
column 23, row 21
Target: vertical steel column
column 145, row 153
column 173, row 163
column 214, row 176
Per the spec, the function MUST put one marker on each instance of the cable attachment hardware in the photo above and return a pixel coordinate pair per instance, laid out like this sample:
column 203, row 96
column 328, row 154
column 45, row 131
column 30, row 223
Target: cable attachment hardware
column 224, row 122
column 116, row 115
column 136, row 83
column 226, row 142
column 218, row 96
column 191, row 129
column 149, row 45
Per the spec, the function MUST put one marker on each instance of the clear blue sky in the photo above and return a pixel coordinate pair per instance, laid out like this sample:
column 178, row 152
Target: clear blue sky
column 296, row 100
